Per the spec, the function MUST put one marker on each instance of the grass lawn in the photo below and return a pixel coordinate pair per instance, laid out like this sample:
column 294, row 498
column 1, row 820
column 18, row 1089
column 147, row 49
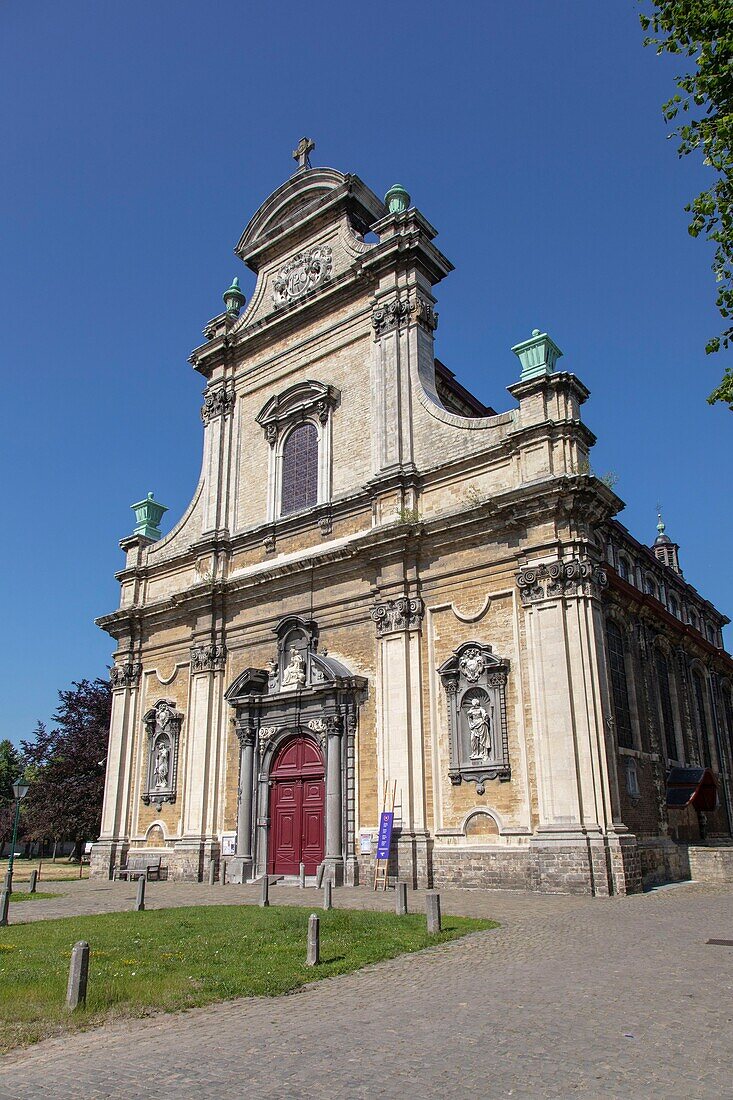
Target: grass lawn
column 172, row 959
column 23, row 895
column 50, row 872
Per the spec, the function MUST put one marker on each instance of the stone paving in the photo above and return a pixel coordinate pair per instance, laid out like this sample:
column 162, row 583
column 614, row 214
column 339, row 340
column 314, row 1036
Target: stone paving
column 617, row 997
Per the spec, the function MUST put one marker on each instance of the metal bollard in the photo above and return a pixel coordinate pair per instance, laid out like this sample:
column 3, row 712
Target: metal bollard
column 212, row 872
column 4, row 906
column 34, row 880
column 432, row 909
column 313, row 956
column 328, row 894
column 76, row 989
column 301, row 876
column 401, row 899
column 140, row 899
column 265, row 897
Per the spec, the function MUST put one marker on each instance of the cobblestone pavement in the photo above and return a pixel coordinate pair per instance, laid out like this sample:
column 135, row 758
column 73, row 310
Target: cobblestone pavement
column 576, row 997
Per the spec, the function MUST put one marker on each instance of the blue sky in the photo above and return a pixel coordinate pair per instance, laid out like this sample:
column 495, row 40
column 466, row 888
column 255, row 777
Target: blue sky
column 138, row 140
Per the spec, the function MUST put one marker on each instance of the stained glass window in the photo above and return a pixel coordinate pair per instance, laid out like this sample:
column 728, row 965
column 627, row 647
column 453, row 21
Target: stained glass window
column 300, row 469
column 702, row 718
column 619, row 686
column 665, row 704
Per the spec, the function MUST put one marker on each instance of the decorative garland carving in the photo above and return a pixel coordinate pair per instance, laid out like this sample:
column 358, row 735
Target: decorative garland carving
column 572, row 577
column 218, row 402
column 401, row 311
column 404, row 613
column 208, row 658
column 304, row 272
column 125, row 676
column 474, row 680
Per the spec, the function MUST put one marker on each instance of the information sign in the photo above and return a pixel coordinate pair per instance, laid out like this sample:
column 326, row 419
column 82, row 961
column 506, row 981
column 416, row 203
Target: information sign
column 385, row 835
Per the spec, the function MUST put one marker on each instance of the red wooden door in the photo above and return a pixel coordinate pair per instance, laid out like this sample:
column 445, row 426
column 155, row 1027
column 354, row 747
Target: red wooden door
column 297, row 797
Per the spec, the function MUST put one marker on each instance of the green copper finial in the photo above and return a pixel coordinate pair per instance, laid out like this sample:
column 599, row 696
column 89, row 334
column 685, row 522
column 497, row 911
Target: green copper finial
column 148, row 514
column 233, row 298
column 538, row 355
column 397, row 199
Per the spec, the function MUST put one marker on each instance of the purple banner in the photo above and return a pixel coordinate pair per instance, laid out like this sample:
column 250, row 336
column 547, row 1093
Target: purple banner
column 385, row 835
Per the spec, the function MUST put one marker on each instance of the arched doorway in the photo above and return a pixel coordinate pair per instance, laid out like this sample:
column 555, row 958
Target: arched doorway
column 297, row 796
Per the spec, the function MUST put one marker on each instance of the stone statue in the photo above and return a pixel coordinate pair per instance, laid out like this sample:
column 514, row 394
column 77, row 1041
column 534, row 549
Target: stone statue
column 163, row 717
column 294, row 674
column 271, row 674
column 479, row 724
column 162, row 764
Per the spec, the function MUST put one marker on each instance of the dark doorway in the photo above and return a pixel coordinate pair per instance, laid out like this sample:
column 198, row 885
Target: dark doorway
column 297, row 796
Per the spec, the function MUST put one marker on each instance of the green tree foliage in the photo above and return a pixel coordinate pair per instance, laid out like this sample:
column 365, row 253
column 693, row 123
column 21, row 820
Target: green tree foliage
column 703, row 114
column 11, row 766
column 65, row 766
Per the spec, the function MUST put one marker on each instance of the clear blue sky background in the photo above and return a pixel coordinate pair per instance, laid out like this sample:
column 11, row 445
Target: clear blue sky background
column 139, row 138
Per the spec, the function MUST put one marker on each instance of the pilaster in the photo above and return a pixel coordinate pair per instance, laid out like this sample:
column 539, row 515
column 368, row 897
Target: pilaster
column 567, row 671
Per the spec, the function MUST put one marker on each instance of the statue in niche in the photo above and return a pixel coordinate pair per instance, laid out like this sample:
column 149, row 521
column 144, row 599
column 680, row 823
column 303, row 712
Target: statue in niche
column 294, row 674
column 161, row 767
column 479, row 725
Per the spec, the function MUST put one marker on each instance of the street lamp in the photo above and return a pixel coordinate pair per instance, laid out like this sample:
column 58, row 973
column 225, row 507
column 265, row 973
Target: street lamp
column 20, row 790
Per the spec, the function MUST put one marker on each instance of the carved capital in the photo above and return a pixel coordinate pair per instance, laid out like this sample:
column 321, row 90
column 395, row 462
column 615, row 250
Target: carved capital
column 404, row 613
column 402, row 311
column 568, row 578
column 208, row 658
column 245, row 732
column 125, row 676
column 217, row 402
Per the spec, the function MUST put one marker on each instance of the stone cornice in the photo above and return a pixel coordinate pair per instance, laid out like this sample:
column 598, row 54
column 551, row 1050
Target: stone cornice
column 645, row 606
column 521, row 435
column 517, row 506
column 550, row 381
column 663, row 573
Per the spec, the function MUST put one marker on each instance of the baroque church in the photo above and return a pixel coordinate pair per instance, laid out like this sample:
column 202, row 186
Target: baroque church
column 384, row 591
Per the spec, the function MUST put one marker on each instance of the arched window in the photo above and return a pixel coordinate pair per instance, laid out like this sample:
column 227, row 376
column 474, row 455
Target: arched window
column 650, row 587
column 665, row 705
column 702, row 718
column 619, row 685
column 299, row 469
column 623, row 568
column 674, row 607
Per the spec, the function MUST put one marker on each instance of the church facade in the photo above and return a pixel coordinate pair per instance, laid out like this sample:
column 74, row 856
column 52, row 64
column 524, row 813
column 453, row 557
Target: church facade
column 385, row 591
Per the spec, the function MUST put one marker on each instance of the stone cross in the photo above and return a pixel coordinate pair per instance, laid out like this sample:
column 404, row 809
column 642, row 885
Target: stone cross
column 303, row 151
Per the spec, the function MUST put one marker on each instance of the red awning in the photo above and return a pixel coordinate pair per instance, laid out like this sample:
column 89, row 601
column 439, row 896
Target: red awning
column 696, row 787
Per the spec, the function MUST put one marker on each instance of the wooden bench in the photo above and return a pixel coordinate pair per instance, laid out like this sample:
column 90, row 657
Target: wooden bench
column 138, row 865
